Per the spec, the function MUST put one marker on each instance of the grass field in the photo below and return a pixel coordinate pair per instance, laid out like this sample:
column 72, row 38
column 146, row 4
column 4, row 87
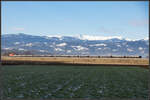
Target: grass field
column 61, row 81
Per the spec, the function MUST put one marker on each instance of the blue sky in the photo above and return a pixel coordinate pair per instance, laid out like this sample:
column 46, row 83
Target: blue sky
column 126, row 19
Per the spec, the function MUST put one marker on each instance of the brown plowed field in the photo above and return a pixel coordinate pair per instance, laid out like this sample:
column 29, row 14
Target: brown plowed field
column 74, row 60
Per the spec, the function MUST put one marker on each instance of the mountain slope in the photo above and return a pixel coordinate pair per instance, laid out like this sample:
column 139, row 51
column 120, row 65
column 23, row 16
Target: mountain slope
column 69, row 45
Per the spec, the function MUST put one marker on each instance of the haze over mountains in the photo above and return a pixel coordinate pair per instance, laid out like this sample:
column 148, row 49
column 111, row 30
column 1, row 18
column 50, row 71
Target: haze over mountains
column 75, row 45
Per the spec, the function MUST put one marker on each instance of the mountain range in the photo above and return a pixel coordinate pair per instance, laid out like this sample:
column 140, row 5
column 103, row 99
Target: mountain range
column 75, row 45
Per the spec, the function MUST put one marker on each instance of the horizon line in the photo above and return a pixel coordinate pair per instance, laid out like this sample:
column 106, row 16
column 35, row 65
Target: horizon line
column 80, row 35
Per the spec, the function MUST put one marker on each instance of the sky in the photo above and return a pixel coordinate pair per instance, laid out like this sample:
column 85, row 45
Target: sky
column 97, row 18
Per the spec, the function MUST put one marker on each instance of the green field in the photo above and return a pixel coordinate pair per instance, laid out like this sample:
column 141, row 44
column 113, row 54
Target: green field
column 62, row 81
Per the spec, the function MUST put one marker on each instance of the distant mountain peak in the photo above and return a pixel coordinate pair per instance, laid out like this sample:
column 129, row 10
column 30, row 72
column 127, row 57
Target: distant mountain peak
column 85, row 37
column 75, row 45
column 92, row 37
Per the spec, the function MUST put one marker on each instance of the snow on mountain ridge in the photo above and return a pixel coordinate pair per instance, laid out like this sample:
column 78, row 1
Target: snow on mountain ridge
column 74, row 45
column 61, row 44
column 102, row 44
column 83, row 37
column 90, row 37
column 79, row 48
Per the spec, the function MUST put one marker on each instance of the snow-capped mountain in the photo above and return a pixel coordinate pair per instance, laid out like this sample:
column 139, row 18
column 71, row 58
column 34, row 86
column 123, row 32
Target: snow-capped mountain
column 75, row 45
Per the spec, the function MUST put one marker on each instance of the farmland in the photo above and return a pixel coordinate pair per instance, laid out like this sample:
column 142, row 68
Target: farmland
column 70, row 81
column 143, row 62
